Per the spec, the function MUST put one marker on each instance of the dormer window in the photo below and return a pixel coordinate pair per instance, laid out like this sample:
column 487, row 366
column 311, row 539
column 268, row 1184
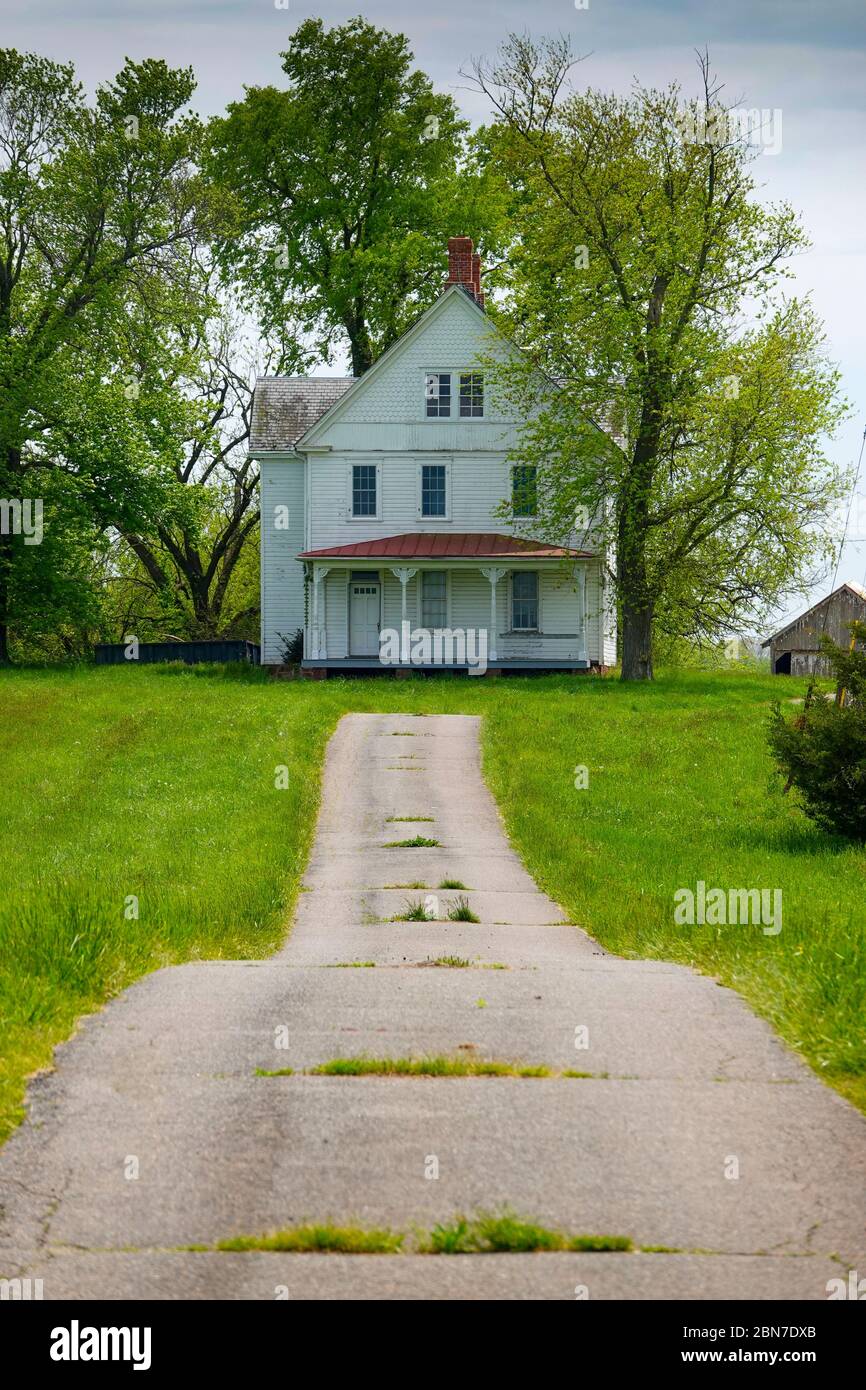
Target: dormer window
column 438, row 395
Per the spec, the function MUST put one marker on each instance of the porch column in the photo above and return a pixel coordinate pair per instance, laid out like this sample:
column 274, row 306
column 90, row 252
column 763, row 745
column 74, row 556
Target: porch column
column 319, row 634
column 493, row 573
column 581, row 608
column 404, row 574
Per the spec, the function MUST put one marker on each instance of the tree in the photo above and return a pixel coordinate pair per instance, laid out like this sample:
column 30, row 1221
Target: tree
column 189, row 556
column 99, row 205
column 692, row 400
column 822, row 751
column 348, row 184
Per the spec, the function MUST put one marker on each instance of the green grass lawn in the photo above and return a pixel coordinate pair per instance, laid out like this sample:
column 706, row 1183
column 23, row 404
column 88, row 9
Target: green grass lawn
column 159, row 784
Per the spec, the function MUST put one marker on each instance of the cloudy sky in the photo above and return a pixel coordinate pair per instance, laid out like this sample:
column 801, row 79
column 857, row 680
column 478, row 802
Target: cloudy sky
column 803, row 58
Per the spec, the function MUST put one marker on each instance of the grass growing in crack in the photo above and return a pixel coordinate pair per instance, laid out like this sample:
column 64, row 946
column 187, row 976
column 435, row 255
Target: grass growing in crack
column 411, row 818
column 424, row 1066
column 301, row 1240
column 351, row 965
column 403, row 885
column 412, row 912
column 452, row 883
column 461, row 963
column 491, row 1233
column 364, row 1065
column 417, row 842
column 487, row 1233
column 460, row 911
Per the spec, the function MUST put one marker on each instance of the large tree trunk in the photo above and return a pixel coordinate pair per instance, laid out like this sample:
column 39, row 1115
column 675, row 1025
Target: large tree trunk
column 636, row 596
column 637, row 655
column 636, row 599
column 9, row 485
column 5, row 565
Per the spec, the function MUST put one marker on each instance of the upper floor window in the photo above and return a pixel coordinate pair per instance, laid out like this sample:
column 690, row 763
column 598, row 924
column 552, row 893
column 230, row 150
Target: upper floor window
column 434, row 484
column 438, row 394
column 471, row 395
column 364, row 489
column 524, row 601
column 524, row 490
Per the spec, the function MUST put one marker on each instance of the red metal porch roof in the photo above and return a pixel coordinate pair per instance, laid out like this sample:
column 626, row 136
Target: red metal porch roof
column 444, row 545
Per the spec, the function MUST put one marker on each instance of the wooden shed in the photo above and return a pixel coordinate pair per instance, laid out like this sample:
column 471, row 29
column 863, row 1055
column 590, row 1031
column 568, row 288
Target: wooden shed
column 796, row 649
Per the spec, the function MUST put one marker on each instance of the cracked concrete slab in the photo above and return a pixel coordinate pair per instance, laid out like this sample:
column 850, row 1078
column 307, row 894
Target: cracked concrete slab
column 571, row 1277
column 688, row 1088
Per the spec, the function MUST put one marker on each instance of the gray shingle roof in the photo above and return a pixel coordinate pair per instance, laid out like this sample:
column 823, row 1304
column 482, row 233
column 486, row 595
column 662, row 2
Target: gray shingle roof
column 285, row 407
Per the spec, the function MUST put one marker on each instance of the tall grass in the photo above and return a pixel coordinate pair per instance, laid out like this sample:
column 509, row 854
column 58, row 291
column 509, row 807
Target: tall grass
column 159, row 784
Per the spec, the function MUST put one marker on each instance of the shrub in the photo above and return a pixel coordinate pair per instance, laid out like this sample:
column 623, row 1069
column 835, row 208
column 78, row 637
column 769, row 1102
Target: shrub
column 822, row 751
column 292, row 648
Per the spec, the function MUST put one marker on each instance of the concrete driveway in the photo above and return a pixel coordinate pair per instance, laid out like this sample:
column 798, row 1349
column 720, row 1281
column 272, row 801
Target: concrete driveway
column 695, row 1129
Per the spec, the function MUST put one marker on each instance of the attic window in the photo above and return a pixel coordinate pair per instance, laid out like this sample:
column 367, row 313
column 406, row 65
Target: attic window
column 437, row 390
column 471, row 395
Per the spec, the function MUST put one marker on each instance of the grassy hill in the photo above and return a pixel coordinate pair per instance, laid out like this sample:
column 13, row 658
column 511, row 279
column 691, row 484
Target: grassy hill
column 142, row 825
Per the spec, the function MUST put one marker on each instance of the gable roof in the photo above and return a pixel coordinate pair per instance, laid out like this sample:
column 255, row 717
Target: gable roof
column 855, row 589
column 360, row 382
column 446, row 545
column 286, row 407
column 288, row 411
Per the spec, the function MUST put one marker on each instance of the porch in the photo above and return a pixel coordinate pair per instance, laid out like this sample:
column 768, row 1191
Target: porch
column 497, row 603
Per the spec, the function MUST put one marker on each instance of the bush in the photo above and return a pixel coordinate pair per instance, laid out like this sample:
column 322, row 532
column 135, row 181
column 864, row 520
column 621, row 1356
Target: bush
column 292, row 648
column 822, row 751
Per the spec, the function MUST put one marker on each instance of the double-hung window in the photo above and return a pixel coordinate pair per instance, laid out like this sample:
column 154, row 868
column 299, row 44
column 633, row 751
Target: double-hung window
column 524, row 490
column 364, row 500
column 434, row 489
column 437, row 391
column 434, row 599
column 524, row 601
column 471, row 395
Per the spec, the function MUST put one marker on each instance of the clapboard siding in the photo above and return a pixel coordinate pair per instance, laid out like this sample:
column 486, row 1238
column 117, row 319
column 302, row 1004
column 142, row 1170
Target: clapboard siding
column 282, row 485
column 478, row 486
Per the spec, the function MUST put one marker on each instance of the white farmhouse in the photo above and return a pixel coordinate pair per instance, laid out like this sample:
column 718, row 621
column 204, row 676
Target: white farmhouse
column 381, row 514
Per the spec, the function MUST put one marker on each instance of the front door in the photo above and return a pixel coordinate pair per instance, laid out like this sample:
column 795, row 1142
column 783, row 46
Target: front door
column 363, row 618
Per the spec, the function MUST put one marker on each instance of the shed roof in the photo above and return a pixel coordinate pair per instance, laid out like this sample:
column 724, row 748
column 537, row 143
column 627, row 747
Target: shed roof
column 440, row 545
column 285, row 407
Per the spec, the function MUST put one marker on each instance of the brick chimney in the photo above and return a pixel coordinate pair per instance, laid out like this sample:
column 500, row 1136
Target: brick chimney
column 464, row 267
